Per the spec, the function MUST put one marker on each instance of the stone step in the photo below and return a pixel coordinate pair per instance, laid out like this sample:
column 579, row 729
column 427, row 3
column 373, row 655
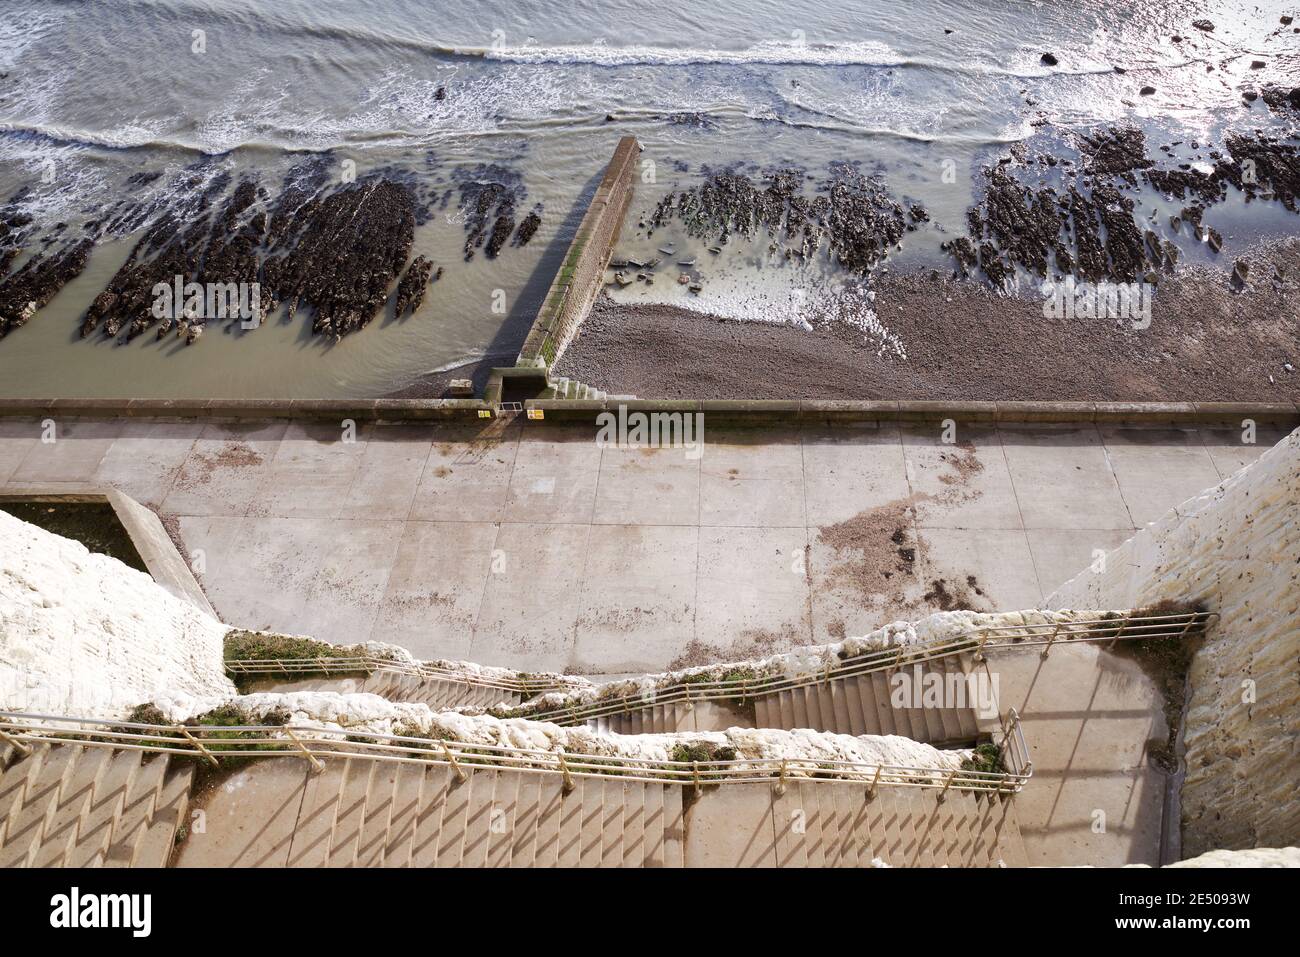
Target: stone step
column 107, row 800
column 48, row 770
column 73, row 805
column 837, row 824
column 159, row 839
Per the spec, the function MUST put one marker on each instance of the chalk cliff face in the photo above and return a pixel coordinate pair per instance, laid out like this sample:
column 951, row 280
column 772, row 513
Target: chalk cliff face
column 82, row 634
column 1236, row 547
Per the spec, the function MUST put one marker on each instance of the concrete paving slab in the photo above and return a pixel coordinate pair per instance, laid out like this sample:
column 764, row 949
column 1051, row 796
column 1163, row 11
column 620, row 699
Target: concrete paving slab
column 464, row 482
column 1158, row 468
column 224, row 471
column 648, row 487
column 435, row 588
column 388, row 473
column 963, row 485
column 343, row 599
column 1230, row 453
column 17, row 436
column 842, row 468
column 554, row 477
column 754, row 595
column 78, row 446
column 1060, row 554
column 849, row 597
column 311, row 472
column 638, row 597
column 1063, row 479
column 986, row 569
column 146, row 457
column 530, row 609
column 749, row 478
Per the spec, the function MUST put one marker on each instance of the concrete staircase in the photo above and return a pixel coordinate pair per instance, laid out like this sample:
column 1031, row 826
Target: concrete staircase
column 833, row 824
column 857, row 704
column 562, row 387
column 68, row 805
column 438, row 693
column 680, row 716
column 861, row 704
column 362, row 813
column 74, row 806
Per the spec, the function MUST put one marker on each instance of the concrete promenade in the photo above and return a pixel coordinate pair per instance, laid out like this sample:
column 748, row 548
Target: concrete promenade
column 528, row 545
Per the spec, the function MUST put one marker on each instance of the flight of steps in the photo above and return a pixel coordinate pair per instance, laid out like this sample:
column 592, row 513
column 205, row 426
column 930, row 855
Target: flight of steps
column 861, row 704
column 68, row 805
column 74, row 806
column 362, row 813
column 716, row 715
column 437, row 693
column 563, row 387
column 835, row 824
column 858, row 704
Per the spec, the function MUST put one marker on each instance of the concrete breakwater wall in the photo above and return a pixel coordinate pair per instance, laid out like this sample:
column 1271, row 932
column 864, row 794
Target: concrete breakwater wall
column 582, row 273
column 1235, row 548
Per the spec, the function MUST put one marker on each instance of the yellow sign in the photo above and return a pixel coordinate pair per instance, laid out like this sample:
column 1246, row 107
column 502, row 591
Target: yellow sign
column 485, row 413
column 537, row 413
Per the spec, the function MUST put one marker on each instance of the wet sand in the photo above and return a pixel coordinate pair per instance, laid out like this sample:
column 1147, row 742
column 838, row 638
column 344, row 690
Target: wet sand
column 1206, row 342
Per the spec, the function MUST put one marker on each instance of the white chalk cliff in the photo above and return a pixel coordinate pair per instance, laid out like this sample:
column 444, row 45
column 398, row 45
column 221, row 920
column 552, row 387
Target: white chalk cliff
column 83, row 634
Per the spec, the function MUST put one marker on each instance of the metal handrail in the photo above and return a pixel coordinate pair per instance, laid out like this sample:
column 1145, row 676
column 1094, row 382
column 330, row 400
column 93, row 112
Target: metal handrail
column 212, row 742
column 979, row 640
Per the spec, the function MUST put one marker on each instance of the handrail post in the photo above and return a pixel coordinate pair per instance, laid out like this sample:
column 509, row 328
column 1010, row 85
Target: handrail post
column 455, row 765
column 695, row 774
column 898, row 659
column 780, row 783
column 947, row 784
column 875, row 780
column 202, row 750
column 18, row 745
column 979, row 649
column 1050, row 640
column 316, row 762
column 567, row 786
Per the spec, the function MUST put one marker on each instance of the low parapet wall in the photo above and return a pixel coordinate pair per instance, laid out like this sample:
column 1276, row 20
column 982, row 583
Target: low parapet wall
column 582, row 274
column 778, row 412
column 332, row 409
column 726, row 412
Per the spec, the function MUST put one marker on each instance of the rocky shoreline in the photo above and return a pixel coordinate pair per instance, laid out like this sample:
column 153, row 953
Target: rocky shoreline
column 339, row 251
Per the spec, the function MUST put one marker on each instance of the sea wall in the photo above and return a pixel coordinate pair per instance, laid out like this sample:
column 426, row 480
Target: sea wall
column 1236, row 548
column 83, row 634
column 582, row 274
